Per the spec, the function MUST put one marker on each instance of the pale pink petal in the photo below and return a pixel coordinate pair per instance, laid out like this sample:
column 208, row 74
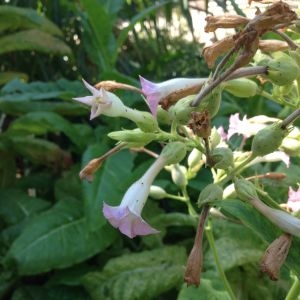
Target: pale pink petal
column 222, row 133
column 294, row 199
column 152, row 93
column 126, row 221
column 92, row 89
column 88, row 100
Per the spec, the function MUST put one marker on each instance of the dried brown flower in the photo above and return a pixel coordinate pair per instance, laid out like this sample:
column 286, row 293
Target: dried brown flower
column 111, row 85
column 200, row 124
column 227, row 21
column 272, row 45
column 275, row 256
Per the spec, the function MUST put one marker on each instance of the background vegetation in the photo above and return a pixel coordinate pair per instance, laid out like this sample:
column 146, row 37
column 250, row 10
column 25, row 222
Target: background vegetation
column 54, row 242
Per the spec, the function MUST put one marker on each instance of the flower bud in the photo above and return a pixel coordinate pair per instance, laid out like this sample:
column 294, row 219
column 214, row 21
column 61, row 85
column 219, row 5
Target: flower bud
column 156, row 192
column 178, row 174
column 181, row 111
column 210, row 193
column 194, row 160
column 222, row 158
column 268, row 139
column 241, row 87
column 146, row 122
column 211, row 102
column 133, row 136
column 163, row 116
column 174, row 152
column 291, row 143
column 275, row 256
column 282, row 69
column 245, row 189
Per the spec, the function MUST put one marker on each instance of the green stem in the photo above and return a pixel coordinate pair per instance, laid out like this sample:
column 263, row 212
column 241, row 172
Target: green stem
column 211, row 241
column 175, row 197
column 294, row 291
column 191, row 209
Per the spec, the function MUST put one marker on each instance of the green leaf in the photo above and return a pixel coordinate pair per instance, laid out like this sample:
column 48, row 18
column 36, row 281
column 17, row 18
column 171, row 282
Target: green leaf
column 13, row 18
column 211, row 289
column 108, row 186
column 35, row 40
column 142, row 275
column 8, row 76
column 42, row 122
column 16, row 205
column 8, row 167
column 262, row 227
column 57, row 238
column 40, row 151
column 101, row 23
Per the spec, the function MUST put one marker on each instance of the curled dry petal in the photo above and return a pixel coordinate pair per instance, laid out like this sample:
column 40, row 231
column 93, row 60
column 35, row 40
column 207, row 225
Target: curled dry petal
column 269, row 46
column 227, row 21
column 275, row 256
column 211, row 53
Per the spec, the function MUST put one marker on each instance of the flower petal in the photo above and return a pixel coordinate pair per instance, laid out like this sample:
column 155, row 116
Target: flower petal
column 126, row 221
column 92, row 89
column 88, row 100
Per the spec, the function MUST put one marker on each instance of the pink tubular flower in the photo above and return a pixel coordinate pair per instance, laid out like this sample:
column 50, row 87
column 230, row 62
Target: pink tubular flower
column 102, row 102
column 127, row 216
column 155, row 92
column 293, row 202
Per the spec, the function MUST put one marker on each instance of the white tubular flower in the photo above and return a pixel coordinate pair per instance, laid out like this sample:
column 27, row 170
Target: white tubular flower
column 155, row 92
column 102, row 102
column 280, row 218
column 127, row 216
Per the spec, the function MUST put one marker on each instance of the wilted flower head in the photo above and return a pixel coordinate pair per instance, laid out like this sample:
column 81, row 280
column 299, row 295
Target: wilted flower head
column 102, row 102
column 155, row 92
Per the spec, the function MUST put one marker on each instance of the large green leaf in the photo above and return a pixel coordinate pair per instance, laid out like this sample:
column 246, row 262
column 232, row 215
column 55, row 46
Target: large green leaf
column 16, row 205
column 108, row 186
column 13, row 18
column 35, row 40
column 57, row 238
column 142, row 275
column 262, row 227
column 41, row 151
column 8, row 167
column 9, row 75
column 43, row 122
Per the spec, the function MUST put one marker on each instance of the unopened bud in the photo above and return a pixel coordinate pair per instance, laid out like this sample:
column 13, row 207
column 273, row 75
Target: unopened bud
column 241, row 87
column 174, row 152
column 211, row 102
column 178, row 174
column 268, row 139
column 135, row 136
column 275, row 256
column 194, row 159
column 146, row 122
column 245, row 189
column 222, row 158
column 291, row 143
column 210, row 193
column 163, row 116
column 181, row 111
column 156, row 192
column 282, row 69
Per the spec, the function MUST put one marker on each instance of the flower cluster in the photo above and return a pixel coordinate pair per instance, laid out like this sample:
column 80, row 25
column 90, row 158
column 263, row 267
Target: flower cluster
column 180, row 121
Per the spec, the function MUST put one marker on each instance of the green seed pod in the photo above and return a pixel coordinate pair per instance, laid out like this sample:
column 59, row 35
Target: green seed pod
column 174, row 152
column 222, row 158
column 210, row 193
column 241, row 87
column 181, row 111
column 156, row 192
column 245, row 189
column 163, row 116
column 211, row 102
column 268, row 139
column 178, row 174
column 133, row 136
column 282, row 69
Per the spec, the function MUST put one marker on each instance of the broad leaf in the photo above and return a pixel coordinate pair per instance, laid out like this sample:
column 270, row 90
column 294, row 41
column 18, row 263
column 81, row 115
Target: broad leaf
column 33, row 39
column 262, row 227
column 13, row 18
column 57, row 238
column 16, row 205
column 142, row 275
column 8, row 76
